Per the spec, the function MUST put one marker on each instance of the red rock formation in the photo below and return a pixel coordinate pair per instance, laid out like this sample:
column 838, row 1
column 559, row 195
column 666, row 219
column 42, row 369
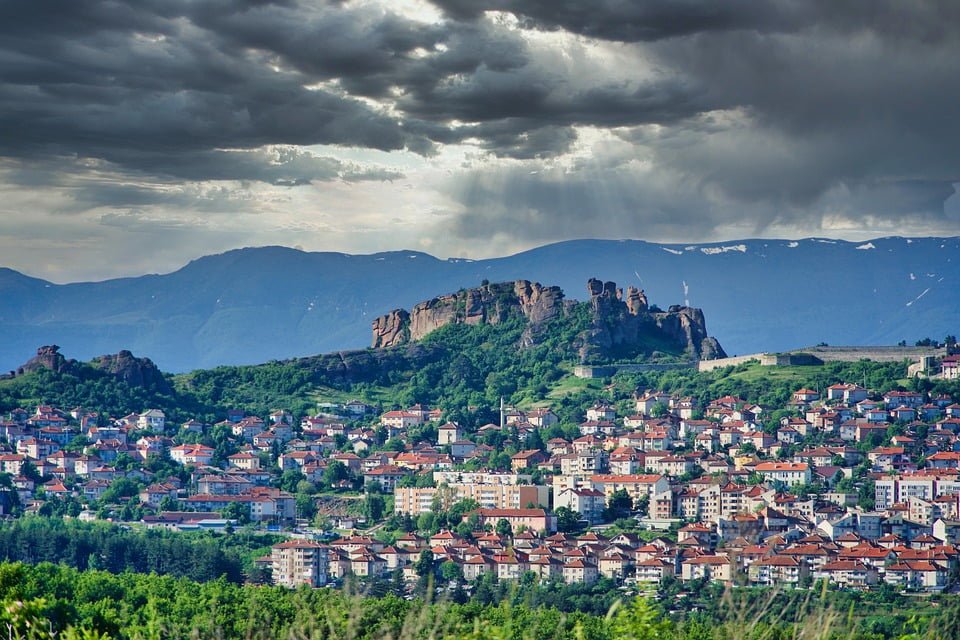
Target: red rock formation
column 488, row 304
column 391, row 329
column 621, row 323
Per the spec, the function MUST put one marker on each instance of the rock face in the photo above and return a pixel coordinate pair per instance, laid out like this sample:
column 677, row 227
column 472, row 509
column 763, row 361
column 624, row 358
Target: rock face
column 136, row 372
column 687, row 324
column 48, row 357
column 487, row 304
column 391, row 329
column 622, row 324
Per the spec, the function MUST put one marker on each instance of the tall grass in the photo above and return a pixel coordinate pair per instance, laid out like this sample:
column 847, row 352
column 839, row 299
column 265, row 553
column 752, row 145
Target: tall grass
column 742, row 615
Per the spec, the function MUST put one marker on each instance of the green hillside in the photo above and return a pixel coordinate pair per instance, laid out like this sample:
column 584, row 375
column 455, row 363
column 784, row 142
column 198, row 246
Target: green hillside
column 455, row 368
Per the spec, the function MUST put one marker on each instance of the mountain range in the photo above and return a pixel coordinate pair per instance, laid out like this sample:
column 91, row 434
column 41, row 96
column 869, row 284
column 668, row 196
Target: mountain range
column 257, row 304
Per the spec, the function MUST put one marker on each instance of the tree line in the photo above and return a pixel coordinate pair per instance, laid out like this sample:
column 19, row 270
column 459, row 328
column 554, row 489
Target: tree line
column 115, row 549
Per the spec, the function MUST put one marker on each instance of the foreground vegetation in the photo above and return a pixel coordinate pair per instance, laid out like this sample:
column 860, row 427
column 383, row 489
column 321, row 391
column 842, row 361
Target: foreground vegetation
column 201, row 556
column 42, row 601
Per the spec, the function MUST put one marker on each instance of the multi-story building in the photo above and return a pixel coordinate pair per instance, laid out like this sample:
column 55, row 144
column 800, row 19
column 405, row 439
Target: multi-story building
column 789, row 473
column 584, row 462
column 479, row 477
column 415, row 500
column 589, row 503
column 152, row 420
column 532, row 519
column 402, row 420
column 299, row 562
column 636, row 485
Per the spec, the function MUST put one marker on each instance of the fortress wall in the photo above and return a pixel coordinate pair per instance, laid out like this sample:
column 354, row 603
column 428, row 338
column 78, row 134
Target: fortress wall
column 710, row 365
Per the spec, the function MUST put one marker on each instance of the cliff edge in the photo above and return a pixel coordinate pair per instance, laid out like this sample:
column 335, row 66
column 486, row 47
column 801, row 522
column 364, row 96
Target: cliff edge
column 621, row 324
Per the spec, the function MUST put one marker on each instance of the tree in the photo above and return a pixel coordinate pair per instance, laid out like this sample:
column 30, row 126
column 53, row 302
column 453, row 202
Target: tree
column 335, row 472
column 618, row 505
column 568, row 520
column 534, row 440
column 77, row 443
column 305, row 486
column 426, row 522
column 29, row 470
column 119, row 489
column 290, row 479
column 398, row 586
column 659, row 410
column 306, row 506
column 642, row 505
column 236, row 511
column 451, row 571
column 464, row 530
column 457, row 510
column 424, row 564
column 503, row 527
column 373, row 507
column 641, row 621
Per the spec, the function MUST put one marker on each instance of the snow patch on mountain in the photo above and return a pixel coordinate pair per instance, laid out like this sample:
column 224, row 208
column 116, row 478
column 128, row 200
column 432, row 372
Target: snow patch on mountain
column 712, row 251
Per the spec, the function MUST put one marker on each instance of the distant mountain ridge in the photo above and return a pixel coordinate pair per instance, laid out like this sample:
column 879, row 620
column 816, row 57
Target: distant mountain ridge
column 254, row 305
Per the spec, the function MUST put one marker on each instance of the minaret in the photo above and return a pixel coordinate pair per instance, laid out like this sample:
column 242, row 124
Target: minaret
column 503, row 417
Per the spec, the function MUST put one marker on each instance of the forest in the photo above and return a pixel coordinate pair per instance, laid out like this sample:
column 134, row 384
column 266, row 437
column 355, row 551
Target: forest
column 113, row 548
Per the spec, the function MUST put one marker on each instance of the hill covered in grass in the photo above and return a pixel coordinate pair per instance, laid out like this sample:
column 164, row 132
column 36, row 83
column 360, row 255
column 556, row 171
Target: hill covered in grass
column 521, row 349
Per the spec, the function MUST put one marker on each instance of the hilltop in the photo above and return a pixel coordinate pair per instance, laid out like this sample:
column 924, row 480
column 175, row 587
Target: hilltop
column 253, row 305
column 621, row 324
column 499, row 339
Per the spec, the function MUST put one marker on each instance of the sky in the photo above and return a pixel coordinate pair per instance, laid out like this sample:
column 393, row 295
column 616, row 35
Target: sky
column 136, row 136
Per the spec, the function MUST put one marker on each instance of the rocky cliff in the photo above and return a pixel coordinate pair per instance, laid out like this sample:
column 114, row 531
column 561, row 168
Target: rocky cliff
column 487, row 304
column 136, row 372
column 621, row 324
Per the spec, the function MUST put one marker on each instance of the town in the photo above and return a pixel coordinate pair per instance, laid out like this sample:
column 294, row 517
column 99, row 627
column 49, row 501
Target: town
column 846, row 485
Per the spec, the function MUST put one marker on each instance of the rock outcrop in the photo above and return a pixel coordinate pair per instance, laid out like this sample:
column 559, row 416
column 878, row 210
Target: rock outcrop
column 687, row 324
column 136, row 372
column 487, row 304
column 622, row 325
column 391, row 329
column 48, row 357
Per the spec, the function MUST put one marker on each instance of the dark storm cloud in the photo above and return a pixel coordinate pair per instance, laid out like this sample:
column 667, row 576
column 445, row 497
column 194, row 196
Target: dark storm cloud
column 782, row 114
column 651, row 20
column 524, row 206
column 742, row 112
column 110, row 79
column 282, row 166
column 639, row 20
